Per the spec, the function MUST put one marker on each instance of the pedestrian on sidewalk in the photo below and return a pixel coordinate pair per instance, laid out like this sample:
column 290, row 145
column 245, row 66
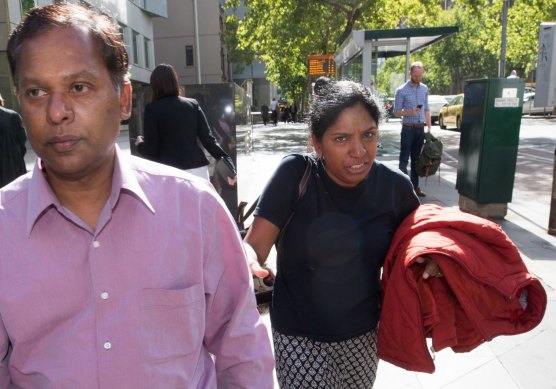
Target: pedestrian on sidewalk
column 117, row 272
column 12, row 145
column 264, row 113
column 174, row 126
column 412, row 105
column 274, row 110
column 332, row 243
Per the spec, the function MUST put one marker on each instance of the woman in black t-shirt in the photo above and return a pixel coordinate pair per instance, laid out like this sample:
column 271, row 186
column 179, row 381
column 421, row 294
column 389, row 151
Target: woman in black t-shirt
column 333, row 240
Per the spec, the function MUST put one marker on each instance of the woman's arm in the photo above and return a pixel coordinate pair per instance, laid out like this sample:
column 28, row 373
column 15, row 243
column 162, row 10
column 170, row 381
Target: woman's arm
column 258, row 242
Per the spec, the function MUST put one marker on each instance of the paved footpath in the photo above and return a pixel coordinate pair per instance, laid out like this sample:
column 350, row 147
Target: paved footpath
column 526, row 361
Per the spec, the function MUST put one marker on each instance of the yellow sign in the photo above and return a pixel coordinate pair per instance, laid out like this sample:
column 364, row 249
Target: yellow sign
column 321, row 65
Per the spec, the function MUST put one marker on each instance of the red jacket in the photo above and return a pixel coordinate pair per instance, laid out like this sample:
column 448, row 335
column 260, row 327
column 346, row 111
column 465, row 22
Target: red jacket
column 486, row 290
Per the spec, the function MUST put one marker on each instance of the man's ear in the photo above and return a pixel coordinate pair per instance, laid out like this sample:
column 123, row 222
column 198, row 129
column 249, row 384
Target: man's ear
column 125, row 101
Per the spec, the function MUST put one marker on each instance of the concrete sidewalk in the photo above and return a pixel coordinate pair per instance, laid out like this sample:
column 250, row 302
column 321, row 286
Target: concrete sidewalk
column 510, row 362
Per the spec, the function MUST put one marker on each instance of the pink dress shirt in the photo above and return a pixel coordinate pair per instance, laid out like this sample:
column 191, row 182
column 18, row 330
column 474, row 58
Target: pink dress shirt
column 157, row 296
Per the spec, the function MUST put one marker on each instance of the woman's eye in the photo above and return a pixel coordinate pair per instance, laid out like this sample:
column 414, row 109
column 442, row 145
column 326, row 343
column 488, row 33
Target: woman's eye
column 370, row 135
column 341, row 138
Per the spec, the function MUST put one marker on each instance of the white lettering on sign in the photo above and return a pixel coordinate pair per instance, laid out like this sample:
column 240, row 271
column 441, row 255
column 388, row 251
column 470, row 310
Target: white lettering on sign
column 506, row 102
column 509, row 92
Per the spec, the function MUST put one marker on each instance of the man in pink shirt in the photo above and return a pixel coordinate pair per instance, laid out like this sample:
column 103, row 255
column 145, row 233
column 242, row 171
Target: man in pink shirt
column 115, row 272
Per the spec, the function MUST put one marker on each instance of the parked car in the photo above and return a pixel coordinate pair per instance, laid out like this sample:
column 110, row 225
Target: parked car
column 529, row 106
column 451, row 113
column 436, row 103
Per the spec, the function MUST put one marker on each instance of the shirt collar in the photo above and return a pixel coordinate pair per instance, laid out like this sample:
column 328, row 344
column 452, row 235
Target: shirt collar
column 41, row 197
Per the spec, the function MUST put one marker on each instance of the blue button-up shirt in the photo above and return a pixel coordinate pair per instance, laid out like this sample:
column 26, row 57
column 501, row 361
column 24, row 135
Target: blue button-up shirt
column 408, row 97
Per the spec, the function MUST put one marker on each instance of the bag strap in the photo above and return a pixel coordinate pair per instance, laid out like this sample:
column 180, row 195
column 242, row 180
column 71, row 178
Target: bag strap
column 301, row 190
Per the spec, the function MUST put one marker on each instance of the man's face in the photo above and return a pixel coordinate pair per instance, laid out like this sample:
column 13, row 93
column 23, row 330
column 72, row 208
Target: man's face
column 416, row 75
column 68, row 103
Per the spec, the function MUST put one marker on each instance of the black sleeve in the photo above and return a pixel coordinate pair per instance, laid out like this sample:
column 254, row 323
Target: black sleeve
column 280, row 194
column 21, row 134
column 407, row 201
column 150, row 149
column 206, row 137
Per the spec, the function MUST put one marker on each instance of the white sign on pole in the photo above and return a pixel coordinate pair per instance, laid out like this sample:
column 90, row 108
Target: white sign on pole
column 545, row 83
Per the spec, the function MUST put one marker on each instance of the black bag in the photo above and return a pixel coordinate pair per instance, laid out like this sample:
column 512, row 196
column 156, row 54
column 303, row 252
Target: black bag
column 431, row 156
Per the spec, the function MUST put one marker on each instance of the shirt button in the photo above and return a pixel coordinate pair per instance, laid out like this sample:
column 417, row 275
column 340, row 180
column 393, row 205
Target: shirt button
column 96, row 244
column 104, row 295
column 107, row 345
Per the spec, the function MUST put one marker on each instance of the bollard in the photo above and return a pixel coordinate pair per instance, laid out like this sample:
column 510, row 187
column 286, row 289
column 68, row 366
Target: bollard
column 552, row 216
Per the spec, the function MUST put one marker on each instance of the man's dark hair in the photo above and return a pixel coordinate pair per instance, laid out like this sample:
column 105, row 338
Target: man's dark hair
column 164, row 81
column 102, row 28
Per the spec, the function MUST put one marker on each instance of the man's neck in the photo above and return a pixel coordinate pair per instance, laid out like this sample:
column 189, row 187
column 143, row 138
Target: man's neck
column 85, row 197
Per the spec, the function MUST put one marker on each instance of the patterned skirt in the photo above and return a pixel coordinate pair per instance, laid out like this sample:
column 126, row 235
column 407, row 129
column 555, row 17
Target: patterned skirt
column 304, row 363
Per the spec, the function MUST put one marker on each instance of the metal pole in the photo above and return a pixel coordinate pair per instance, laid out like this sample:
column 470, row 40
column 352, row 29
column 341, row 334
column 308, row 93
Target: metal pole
column 197, row 45
column 502, row 67
column 407, row 54
column 552, row 216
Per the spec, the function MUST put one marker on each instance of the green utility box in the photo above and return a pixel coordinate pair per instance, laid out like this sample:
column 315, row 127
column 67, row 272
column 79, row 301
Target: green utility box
column 488, row 144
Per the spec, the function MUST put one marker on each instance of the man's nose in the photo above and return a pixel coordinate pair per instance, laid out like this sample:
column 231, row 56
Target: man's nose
column 59, row 108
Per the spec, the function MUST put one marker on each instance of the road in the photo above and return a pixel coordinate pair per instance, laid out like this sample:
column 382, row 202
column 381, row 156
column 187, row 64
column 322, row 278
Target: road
column 534, row 171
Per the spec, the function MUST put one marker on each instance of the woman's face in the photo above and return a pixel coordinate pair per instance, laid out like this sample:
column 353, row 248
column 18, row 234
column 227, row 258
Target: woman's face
column 349, row 146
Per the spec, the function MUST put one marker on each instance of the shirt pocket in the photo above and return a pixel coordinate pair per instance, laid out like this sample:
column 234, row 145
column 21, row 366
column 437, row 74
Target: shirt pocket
column 172, row 322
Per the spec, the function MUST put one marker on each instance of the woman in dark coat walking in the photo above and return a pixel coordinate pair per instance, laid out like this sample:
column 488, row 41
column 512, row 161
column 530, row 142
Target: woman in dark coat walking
column 173, row 125
column 12, row 145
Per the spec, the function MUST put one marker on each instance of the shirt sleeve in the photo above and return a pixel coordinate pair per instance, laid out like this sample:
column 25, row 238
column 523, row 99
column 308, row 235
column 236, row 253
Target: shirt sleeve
column 21, row 133
column 279, row 197
column 150, row 149
column 5, row 349
column 235, row 334
column 206, row 137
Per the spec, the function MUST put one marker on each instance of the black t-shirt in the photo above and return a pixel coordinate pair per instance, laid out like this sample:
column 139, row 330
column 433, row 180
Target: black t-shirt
column 330, row 254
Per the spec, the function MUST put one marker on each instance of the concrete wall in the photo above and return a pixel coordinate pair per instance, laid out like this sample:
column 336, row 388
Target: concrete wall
column 172, row 35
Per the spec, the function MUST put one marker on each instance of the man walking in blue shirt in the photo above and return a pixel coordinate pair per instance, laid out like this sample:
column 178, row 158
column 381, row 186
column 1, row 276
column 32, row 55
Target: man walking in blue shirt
column 412, row 106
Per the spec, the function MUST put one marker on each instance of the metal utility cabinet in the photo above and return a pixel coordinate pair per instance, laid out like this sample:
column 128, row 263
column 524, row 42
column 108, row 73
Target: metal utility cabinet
column 488, row 145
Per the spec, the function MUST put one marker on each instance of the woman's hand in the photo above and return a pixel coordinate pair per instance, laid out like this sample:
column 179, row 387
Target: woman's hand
column 431, row 267
column 232, row 180
column 139, row 140
column 257, row 270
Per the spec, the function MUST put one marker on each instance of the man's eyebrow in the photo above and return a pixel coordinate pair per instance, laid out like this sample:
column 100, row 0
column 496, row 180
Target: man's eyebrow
column 86, row 74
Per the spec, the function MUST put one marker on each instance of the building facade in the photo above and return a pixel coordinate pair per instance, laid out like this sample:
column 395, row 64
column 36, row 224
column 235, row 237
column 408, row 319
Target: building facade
column 135, row 18
column 190, row 40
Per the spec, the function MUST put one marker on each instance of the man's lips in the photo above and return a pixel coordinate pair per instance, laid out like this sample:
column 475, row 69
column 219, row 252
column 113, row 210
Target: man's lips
column 63, row 144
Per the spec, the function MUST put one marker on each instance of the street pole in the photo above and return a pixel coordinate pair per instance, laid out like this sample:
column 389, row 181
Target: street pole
column 197, row 47
column 502, row 67
column 552, row 216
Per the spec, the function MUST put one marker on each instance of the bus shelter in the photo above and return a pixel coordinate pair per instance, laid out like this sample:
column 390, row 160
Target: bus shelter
column 360, row 55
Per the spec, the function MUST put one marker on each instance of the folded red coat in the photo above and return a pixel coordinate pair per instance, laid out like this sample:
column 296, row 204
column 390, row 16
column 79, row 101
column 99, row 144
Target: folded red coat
column 486, row 290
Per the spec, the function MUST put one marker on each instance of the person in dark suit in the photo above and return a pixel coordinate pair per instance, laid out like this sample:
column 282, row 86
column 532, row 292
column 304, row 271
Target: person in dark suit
column 173, row 125
column 12, row 145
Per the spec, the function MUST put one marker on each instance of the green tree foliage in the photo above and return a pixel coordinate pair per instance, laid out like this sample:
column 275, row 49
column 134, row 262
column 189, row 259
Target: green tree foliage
column 282, row 33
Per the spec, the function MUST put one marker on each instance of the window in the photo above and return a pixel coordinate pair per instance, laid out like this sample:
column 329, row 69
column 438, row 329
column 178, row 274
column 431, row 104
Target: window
column 189, row 56
column 26, row 5
column 147, row 43
column 134, row 46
